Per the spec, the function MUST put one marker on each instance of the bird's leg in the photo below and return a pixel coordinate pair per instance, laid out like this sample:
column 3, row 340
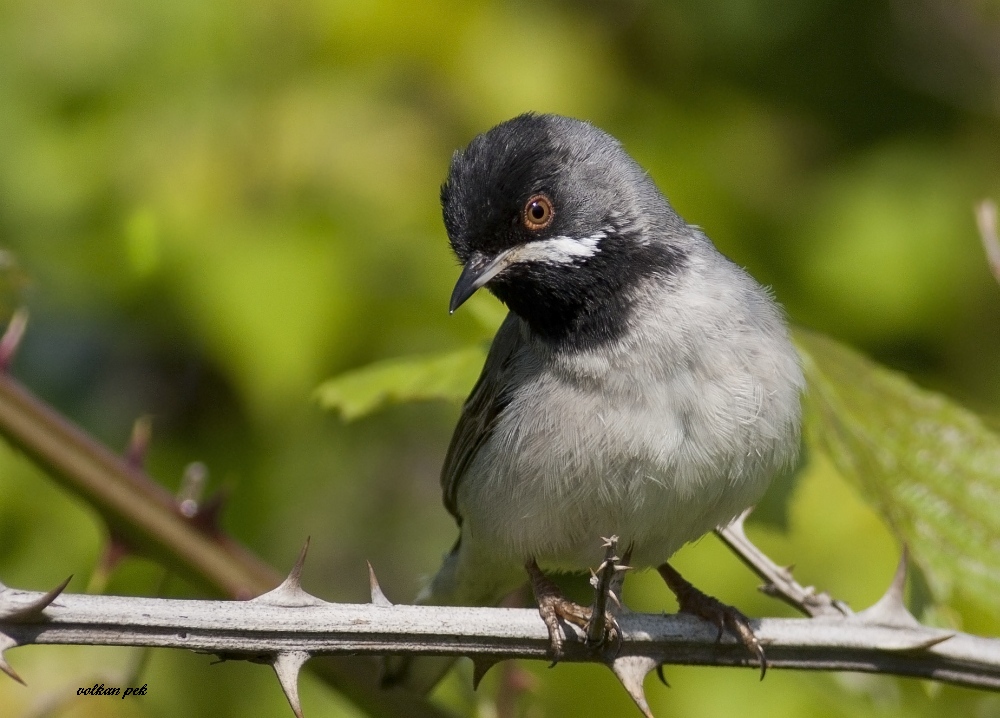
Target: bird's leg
column 552, row 606
column 722, row 616
column 598, row 621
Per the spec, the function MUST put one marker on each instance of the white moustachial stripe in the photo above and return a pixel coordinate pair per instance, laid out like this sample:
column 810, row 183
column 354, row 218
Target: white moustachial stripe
column 561, row 250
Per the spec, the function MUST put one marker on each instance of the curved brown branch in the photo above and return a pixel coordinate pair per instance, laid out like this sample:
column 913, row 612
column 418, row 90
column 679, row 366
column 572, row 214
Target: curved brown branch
column 135, row 507
column 144, row 515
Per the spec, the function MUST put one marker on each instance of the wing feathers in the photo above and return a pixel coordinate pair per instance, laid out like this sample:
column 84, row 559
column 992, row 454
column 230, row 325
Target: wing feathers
column 488, row 399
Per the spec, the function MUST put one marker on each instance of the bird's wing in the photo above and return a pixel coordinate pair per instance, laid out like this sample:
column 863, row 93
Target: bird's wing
column 488, row 398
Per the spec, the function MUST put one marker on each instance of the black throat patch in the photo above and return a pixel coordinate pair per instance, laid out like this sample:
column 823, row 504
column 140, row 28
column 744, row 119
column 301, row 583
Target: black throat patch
column 587, row 303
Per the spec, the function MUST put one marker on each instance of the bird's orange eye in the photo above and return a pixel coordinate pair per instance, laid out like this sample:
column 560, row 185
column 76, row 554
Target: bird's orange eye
column 538, row 212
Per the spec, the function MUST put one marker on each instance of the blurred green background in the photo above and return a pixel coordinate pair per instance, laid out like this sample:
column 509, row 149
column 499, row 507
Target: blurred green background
column 210, row 206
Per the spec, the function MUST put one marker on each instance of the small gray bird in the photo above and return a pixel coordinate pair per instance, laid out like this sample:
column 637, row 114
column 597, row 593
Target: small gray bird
column 642, row 384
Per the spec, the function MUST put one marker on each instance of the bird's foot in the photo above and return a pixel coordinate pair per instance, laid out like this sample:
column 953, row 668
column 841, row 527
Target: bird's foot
column 598, row 621
column 553, row 606
column 719, row 614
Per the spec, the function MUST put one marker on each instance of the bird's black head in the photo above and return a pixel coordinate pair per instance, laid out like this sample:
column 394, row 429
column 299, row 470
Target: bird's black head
column 554, row 218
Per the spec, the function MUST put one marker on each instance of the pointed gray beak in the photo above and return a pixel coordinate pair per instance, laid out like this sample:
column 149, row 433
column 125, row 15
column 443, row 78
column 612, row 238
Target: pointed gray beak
column 478, row 271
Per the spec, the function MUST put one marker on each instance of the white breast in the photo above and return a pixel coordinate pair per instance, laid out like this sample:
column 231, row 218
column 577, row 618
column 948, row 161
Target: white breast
column 657, row 439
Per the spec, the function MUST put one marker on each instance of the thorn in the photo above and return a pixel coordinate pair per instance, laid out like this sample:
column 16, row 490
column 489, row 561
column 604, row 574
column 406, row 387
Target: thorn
column 841, row 606
column 929, row 642
column 290, row 592
column 295, row 575
column 206, row 516
column 52, row 594
column 192, row 488
column 480, row 666
column 114, row 550
column 5, row 643
column 286, row 666
column 11, row 339
column 890, row 610
column 769, row 589
column 378, row 597
column 631, row 670
column 738, row 525
column 621, row 567
column 30, row 608
column 898, row 585
column 659, row 674
column 6, row 668
column 138, row 443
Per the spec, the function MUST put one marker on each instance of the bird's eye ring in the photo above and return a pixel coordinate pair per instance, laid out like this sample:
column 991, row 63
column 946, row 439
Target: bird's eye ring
column 538, row 212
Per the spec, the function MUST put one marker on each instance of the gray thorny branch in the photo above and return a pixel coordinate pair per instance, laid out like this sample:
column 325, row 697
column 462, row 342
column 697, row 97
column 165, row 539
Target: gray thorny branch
column 287, row 626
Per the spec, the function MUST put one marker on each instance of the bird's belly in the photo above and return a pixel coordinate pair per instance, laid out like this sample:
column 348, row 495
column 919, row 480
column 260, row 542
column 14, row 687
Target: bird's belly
column 578, row 467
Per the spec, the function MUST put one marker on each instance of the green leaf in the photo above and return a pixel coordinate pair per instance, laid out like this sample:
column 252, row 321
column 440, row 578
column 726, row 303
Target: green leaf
column 929, row 466
column 438, row 376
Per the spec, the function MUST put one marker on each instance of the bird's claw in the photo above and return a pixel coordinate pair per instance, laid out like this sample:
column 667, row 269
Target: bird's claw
column 552, row 608
column 721, row 615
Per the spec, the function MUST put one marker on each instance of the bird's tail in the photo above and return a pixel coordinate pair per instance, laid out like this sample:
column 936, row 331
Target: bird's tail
column 463, row 580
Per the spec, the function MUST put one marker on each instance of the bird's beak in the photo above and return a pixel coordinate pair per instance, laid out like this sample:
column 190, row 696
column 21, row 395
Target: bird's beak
column 478, row 271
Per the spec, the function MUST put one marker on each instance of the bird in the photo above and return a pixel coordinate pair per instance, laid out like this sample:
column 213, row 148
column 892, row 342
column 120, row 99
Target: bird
column 642, row 384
